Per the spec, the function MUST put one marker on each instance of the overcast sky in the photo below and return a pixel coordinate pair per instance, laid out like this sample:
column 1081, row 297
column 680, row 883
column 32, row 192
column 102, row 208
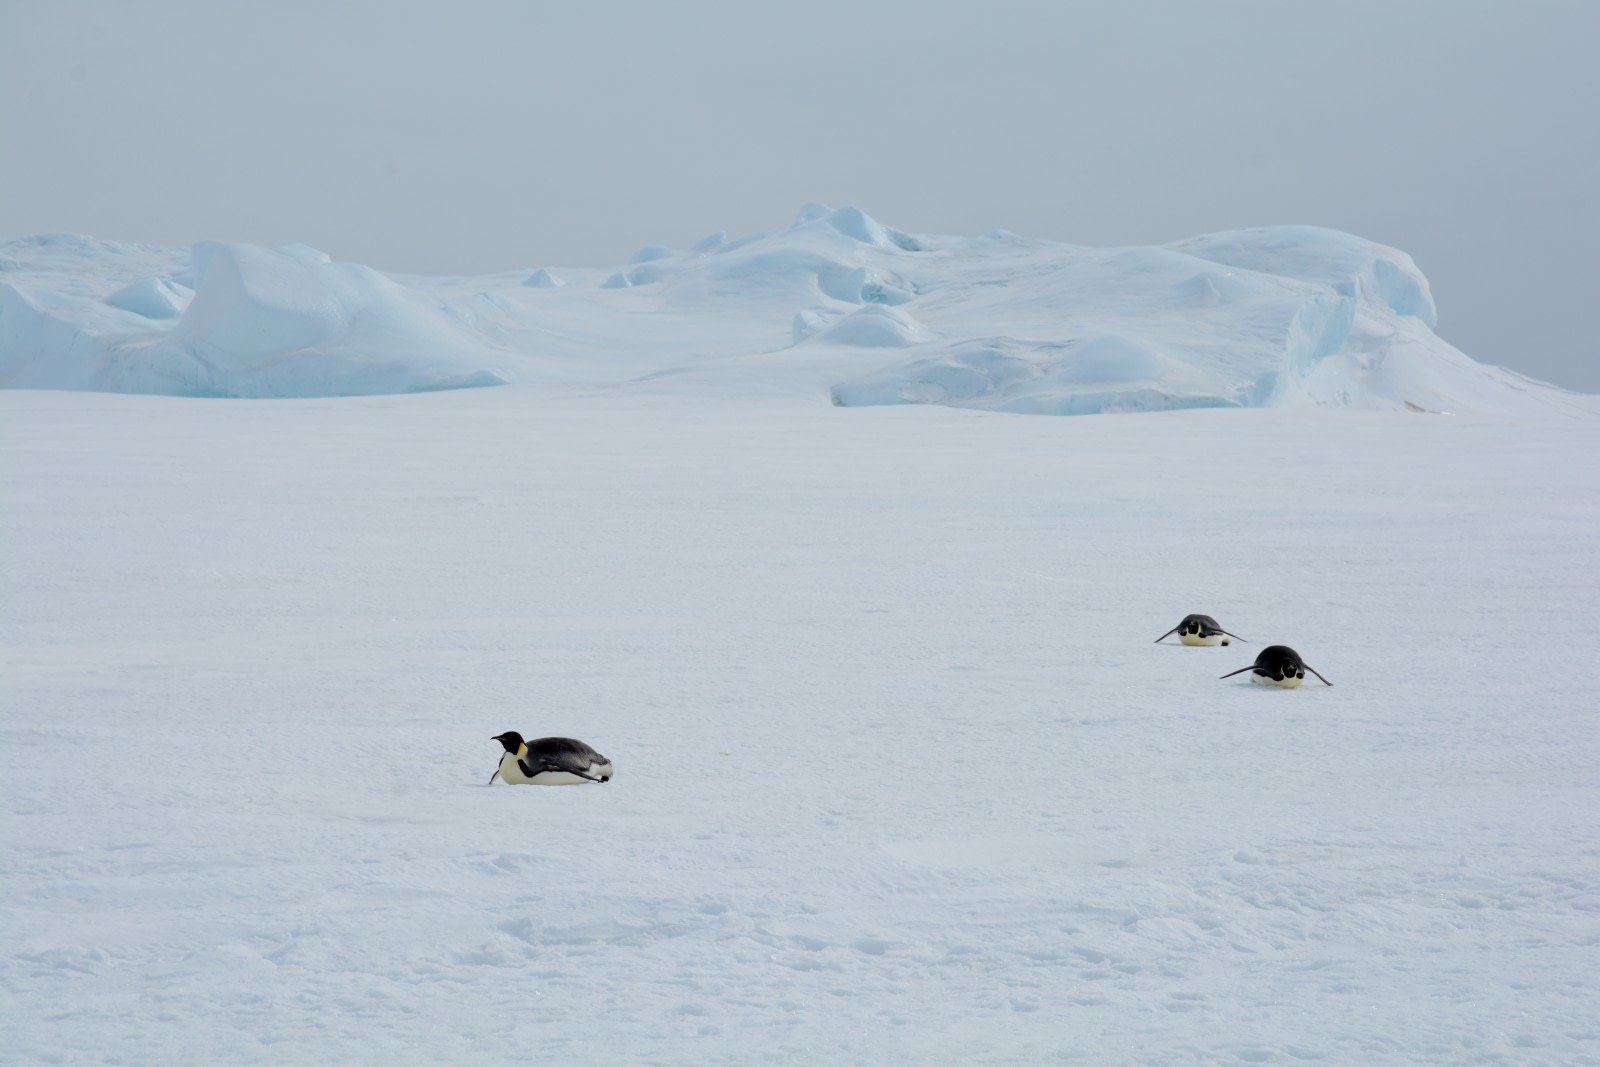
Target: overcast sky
column 468, row 137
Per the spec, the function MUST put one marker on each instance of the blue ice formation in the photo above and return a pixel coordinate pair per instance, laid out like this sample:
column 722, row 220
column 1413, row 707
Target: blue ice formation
column 1271, row 316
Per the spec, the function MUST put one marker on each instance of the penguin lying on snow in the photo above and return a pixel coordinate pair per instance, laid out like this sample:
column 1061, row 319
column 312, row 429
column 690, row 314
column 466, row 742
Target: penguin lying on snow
column 1199, row 630
column 549, row 761
column 1278, row 665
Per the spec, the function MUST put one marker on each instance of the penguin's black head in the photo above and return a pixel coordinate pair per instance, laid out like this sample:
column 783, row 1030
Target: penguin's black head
column 1279, row 661
column 511, row 740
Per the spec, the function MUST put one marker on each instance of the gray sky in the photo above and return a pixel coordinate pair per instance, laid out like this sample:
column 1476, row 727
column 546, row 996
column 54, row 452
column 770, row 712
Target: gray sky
column 474, row 136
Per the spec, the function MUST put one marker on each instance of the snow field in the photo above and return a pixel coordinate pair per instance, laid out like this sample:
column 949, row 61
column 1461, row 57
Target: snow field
column 900, row 775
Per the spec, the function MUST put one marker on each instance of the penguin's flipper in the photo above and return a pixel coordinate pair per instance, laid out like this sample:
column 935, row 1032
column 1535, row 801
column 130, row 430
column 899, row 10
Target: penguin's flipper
column 493, row 776
column 1313, row 670
column 1168, row 634
column 1236, row 637
column 557, row 766
column 1241, row 670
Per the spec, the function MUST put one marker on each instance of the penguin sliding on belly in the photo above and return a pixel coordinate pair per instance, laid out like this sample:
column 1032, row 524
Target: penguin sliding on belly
column 1278, row 665
column 1199, row 630
column 549, row 761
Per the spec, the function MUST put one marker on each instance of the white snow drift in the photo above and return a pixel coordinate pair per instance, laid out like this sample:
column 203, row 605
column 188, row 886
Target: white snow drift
column 1279, row 316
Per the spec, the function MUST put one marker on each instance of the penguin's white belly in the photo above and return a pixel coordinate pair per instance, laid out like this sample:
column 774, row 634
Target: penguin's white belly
column 1209, row 642
column 513, row 774
column 1290, row 681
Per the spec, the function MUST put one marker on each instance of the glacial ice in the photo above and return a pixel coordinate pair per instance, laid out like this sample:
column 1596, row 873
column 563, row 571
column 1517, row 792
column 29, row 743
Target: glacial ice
column 862, row 312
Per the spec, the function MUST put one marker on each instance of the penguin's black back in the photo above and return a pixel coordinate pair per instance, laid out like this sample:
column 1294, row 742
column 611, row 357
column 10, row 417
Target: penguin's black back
column 1279, row 662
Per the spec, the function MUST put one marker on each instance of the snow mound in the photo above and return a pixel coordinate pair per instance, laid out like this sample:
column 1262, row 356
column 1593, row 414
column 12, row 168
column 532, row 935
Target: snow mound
column 875, row 326
column 1348, row 265
column 291, row 322
column 855, row 224
column 153, row 298
column 837, row 303
column 260, row 323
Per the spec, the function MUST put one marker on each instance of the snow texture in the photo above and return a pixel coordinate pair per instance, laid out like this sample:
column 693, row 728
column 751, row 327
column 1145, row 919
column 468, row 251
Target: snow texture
column 1287, row 316
column 901, row 776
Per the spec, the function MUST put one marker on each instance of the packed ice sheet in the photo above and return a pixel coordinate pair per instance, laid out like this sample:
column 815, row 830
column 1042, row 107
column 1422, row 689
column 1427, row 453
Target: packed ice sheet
column 900, row 774
column 864, row 313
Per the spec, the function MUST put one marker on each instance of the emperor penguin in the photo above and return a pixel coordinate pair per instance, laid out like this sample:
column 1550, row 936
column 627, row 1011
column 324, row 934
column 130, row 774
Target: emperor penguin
column 548, row 761
column 1278, row 665
column 1199, row 630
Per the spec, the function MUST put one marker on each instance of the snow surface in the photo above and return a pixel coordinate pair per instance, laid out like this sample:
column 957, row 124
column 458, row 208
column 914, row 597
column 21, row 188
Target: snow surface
column 862, row 312
column 900, row 775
